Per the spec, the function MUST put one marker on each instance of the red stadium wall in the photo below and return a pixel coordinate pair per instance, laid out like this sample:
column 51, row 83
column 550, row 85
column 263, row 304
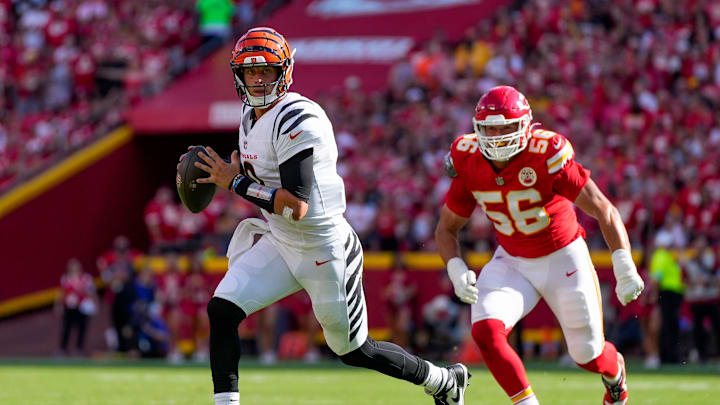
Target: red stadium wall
column 77, row 207
column 77, row 217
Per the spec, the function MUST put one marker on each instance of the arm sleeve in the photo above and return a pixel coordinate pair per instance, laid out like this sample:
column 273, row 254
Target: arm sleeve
column 459, row 200
column 296, row 174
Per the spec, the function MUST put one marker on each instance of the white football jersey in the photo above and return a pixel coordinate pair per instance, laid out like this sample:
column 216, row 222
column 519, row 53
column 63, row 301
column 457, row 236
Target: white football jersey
column 292, row 125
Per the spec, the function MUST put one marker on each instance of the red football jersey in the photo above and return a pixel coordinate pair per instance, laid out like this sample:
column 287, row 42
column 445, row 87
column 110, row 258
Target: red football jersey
column 530, row 201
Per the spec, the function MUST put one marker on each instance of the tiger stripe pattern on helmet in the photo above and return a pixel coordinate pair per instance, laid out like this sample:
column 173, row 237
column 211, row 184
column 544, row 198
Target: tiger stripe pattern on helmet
column 262, row 46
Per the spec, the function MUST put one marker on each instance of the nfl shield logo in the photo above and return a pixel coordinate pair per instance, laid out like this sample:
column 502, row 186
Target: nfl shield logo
column 499, row 181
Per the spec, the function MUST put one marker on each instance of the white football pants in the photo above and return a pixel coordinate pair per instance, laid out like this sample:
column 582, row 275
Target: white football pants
column 331, row 275
column 511, row 286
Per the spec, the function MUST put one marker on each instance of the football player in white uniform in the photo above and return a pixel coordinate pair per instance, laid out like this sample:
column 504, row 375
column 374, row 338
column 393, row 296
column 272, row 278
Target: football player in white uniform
column 286, row 166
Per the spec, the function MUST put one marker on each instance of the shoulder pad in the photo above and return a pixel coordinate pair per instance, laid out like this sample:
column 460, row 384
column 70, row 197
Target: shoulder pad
column 293, row 114
column 553, row 147
column 558, row 150
column 462, row 148
column 464, row 145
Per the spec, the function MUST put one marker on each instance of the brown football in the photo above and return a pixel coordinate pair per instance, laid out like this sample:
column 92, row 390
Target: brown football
column 195, row 196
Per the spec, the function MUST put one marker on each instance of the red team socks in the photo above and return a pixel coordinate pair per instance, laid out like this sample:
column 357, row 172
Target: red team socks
column 505, row 365
column 606, row 363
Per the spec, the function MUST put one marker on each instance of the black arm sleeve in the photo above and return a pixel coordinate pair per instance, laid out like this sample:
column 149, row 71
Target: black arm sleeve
column 296, row 174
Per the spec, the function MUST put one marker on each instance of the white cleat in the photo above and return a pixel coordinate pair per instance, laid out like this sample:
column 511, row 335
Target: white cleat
column 454, row 391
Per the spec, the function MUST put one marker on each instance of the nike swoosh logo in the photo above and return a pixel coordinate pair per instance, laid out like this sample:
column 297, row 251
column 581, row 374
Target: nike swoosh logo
column 570, row 273
column 557, row 143
column 317, row 263
column 296, row 134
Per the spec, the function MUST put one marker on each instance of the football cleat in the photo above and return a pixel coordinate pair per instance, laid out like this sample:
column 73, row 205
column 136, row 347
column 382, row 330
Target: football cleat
column 616, row 394
column 453, row 392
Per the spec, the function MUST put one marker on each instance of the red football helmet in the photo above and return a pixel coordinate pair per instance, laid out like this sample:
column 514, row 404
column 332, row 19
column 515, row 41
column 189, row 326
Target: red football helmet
column 262, row 46
column 502, row 105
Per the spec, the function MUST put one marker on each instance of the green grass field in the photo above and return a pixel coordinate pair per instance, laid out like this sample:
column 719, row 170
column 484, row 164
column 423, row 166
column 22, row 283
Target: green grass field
column 140, row 383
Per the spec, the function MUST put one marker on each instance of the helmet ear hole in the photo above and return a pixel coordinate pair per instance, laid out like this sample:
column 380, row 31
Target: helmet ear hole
column 238, row 74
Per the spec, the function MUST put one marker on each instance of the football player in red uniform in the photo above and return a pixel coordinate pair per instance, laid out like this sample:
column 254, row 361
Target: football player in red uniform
column 526, row 180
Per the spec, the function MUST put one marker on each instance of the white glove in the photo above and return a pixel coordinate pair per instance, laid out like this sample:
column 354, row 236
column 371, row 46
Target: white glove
column 463, row 280
column 629, row 284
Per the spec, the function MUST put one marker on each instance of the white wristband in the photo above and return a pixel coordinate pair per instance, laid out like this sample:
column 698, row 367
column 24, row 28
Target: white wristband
column 623, row 263
column 456, row 265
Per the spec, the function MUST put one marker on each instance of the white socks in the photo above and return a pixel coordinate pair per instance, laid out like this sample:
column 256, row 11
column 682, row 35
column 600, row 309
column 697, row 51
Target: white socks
column 529, row 401
column 227, row 398
column 437, row 378
column 525, row 397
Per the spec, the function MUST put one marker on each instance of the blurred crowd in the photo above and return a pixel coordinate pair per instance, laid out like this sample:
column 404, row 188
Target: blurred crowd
column 70, row 68
column 154, row 306
column 634, row 85
column 155, row 312
column 150, row 310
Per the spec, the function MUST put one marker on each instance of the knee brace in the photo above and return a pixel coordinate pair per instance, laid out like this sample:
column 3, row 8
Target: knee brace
column 582, row 332
column 581, row 351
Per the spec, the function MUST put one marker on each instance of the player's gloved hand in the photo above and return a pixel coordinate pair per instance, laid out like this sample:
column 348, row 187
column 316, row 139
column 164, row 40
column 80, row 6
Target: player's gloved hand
column 463, row 280
column 629, row 284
